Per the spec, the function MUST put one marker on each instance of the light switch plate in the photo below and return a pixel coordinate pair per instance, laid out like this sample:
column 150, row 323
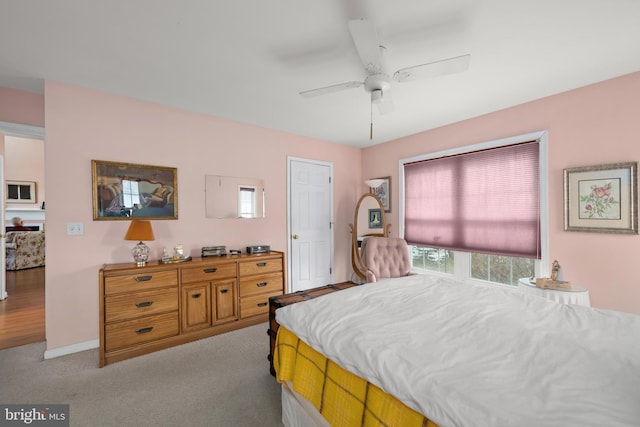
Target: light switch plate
column 75, row 228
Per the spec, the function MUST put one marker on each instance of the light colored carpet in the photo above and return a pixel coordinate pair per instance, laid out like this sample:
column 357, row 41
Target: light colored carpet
column 219, row 381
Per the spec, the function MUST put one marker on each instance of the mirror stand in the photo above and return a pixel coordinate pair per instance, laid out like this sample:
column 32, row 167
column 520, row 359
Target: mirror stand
column 369, row 220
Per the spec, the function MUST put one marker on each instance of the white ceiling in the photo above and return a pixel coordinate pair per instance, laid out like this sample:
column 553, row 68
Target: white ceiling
column 247, row 60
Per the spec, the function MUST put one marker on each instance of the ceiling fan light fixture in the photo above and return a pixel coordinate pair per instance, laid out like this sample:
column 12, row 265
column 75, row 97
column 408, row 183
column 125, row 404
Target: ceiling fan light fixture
column 376, row 96
column 377, row 82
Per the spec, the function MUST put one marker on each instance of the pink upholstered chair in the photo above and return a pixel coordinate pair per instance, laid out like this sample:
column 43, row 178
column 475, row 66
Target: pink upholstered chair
column 385, row 257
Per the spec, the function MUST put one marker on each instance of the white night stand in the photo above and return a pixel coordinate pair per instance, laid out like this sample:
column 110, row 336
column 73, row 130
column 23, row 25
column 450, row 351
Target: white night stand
column 577, row 295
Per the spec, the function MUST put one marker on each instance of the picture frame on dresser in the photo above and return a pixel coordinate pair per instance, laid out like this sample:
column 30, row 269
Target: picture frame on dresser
column 601, row 198
column 125, row 191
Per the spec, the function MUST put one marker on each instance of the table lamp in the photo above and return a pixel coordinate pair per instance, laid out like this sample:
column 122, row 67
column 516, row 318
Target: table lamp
column 140, row 230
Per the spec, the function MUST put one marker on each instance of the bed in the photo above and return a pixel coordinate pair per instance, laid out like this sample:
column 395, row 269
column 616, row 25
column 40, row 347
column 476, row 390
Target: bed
column 424, row 350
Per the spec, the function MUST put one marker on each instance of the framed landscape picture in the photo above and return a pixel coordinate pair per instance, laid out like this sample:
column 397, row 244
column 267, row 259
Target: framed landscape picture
column 601, row 198
column 124, row 191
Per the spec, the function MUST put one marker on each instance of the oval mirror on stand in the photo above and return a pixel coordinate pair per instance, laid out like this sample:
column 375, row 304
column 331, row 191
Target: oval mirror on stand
column 369, row 220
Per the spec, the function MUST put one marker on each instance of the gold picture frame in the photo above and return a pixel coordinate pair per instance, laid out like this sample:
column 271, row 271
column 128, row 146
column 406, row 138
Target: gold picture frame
column 125, row 191
column 601, row 198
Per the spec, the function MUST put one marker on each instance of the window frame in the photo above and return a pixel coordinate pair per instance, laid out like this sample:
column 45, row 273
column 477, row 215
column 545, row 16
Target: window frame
column 18, row 187
column 462, row 260
column 253, row 191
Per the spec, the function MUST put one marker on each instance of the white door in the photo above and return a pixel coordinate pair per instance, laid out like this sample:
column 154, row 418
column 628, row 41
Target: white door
column 310, row 207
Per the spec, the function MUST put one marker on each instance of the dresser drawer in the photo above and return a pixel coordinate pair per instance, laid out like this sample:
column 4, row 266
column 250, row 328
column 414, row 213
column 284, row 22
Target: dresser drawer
column 141, row 330
column 267, row 283
column 252, row 306
column 208, row 273
column 140, row 281
column 137, row 304
column 259, row 266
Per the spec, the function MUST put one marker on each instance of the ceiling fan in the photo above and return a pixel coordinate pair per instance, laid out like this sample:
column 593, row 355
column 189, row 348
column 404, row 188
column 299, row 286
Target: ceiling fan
column 377, row 82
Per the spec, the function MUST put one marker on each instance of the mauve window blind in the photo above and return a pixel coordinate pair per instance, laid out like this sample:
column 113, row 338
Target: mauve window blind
column 483, row 201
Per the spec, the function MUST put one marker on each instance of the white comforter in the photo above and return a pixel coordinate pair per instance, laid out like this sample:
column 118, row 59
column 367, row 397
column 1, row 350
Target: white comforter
column 467, row 355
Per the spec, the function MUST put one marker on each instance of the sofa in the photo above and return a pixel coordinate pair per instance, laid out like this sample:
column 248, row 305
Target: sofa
column 24, row 249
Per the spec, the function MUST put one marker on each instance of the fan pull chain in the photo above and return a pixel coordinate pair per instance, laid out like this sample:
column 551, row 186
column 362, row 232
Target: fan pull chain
column 371, row 122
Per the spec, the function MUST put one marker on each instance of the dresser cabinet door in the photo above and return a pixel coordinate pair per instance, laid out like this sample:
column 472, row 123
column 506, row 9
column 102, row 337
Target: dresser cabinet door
column 225, row 301
column 196, row 306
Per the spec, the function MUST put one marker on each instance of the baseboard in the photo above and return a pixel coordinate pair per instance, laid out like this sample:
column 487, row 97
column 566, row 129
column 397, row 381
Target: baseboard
column 70, row 349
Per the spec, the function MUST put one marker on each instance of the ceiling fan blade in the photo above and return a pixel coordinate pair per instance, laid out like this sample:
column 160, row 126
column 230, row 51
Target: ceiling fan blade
column 433, row 69
column 365, row 38
column 330, row 89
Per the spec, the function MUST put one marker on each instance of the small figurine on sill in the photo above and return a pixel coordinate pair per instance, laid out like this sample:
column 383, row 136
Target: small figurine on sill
column 555, row 281
column 555, row 268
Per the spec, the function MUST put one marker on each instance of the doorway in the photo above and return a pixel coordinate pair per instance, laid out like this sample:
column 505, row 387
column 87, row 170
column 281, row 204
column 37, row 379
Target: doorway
column 310, row 223
column 15, row 316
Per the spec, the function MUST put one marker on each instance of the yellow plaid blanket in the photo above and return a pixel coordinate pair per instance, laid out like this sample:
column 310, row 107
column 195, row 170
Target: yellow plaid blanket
column 343, row 399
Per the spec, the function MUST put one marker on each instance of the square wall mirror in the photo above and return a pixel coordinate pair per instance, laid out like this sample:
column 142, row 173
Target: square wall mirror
column 234, row 197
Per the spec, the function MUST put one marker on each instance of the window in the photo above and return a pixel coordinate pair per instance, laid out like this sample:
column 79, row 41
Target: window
column 130, row 193
column 478, row 212
column 21, row 191
column 247, row 203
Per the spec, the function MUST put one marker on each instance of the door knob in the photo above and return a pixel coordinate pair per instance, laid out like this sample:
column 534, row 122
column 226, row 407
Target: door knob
column 295, row 236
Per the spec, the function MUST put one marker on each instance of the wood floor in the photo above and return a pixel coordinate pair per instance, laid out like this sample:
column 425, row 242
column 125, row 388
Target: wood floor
column 22, row 312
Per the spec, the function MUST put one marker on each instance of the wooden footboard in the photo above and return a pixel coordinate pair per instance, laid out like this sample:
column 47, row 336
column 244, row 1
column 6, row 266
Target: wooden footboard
column 342, row 398
column 287, row 299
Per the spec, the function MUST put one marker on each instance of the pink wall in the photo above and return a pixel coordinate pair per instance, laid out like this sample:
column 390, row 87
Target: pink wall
column 82, row 125
column 24, row 161
column 18, row 106
column 593, row 125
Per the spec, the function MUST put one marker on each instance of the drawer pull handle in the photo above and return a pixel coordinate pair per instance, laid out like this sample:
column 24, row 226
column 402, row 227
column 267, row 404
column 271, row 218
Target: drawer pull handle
column 262, row 304
column 224, row 291
column 210, row 270
column 143, row 278
column 144, row 330
column 261, row 264
column 198, row 295
column 144, row 304
column 261, row 284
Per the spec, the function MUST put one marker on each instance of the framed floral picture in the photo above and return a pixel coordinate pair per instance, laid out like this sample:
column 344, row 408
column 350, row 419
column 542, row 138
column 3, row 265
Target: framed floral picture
column 383, row 191
column 601, row 198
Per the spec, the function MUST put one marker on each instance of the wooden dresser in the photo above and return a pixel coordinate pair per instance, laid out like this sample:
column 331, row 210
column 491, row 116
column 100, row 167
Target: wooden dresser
column 150, row 308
